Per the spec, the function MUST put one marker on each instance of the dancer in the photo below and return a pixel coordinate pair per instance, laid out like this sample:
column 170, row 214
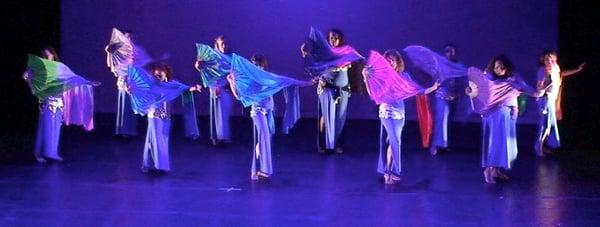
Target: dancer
column 63, row 96
column 120, row 53
column 388, row 85
column 330, row 59
column 255, row 87
column 462, row 103
column 550, row 74
column 494, row 95
column 214, row 65
column 436, row 68
column 150, row 95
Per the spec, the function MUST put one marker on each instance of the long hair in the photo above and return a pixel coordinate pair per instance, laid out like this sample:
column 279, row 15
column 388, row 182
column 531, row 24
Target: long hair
column 544, row 54
column 339, row 33
column 508, row 66
column 260, row 60
column 395, row 54
column 51, row 50
column 221, row 37
column 162, row 66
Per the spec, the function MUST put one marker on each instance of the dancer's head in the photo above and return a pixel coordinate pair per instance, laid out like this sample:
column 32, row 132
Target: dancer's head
column 500, row 66
column 260, row 60
column 49, row 53
column 548, row 58
column 162, row 71
column 128, row 34
column 220, row 44
column 450, row 51
column 335, row 37
column 395, row 59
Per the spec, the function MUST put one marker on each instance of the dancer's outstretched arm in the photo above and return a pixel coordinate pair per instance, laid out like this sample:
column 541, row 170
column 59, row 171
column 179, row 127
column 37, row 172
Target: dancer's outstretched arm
column 572, row 71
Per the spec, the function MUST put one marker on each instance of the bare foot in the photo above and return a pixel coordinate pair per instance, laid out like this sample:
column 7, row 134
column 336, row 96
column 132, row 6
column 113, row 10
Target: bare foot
column 487, row 175
column 387, row 179
column 433, row 151
column 497, row 173
column 40, row 160
column 263, row 175
column 339, row 150
column 539, row 150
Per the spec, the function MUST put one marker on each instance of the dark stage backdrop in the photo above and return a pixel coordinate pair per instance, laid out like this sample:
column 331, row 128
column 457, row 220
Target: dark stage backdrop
column 480, row 29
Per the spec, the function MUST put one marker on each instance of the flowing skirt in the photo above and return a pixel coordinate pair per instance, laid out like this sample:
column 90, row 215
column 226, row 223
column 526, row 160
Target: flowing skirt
column 156, row 148
column 333, row 114
column 48, row 133
column 548, row 124
column 262, row 139
column 499, row 145
column 391, row 136
column 220, row 110
column 441, row 110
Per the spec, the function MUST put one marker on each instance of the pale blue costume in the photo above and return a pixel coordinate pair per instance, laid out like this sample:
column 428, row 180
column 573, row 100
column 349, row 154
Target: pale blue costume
column 50, row 81
column 441, row 100
column 333, row 103
column 256, row 87
column 264, row 123
column 330, row 64
column 392, row 118
column 496, row 101
column 214, row 69
column 151, row 97
column 48, row 129
column 548, row 124
column 122, row 53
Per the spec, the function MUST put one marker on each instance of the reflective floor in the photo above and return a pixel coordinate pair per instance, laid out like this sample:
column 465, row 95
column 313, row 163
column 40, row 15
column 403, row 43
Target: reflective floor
column 100, row 183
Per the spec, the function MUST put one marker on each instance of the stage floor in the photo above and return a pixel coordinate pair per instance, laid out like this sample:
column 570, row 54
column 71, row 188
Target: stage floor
column 100, row 183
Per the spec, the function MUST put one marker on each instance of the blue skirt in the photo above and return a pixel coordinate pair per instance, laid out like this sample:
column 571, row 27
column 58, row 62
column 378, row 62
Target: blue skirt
column 391, row 136
column 156, row 148
column 48, row 133
column 220, row 111
column 333, row 112
column 499, row 145
column 262, row 139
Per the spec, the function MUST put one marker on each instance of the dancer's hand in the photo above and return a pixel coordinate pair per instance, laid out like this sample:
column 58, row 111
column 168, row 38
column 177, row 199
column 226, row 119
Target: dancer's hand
column 366, row 72
column 580, row 67
column 231, row 77
column 198, row 65
column 232, row 85
column 196, row 87
column 26, row 75
column 541, row 92
column 121, row 84
column 471, row 90
column 96, row 83
column 433, row 87
column 304, row 50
